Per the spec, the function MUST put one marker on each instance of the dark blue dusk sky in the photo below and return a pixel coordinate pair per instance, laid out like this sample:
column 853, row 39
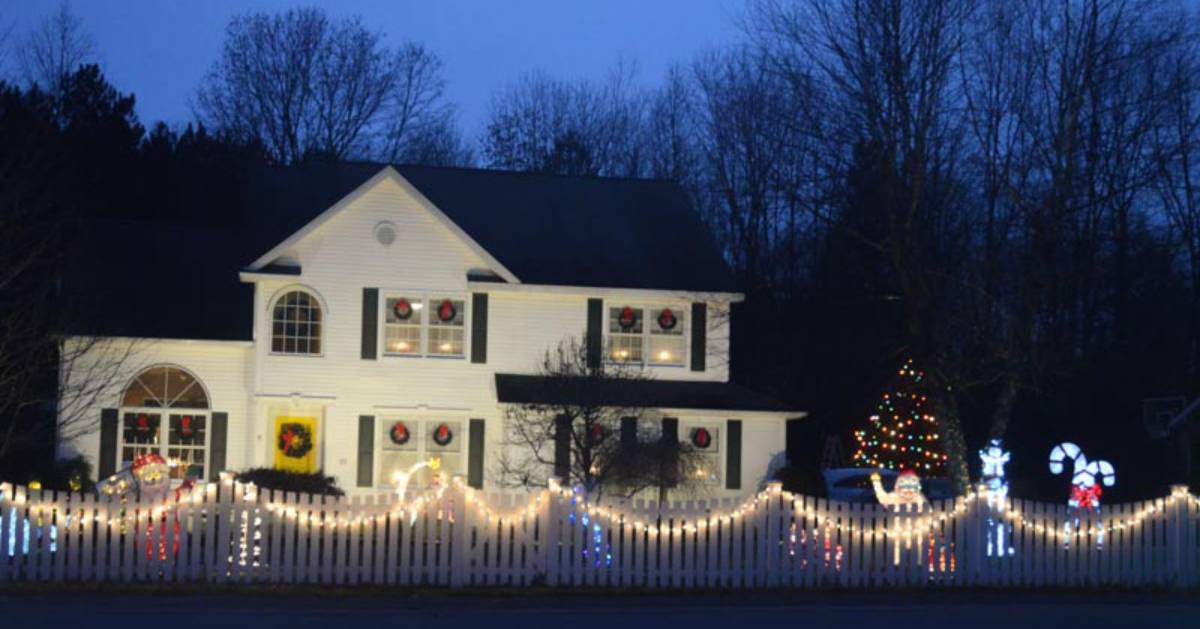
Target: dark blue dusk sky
column 160, row 49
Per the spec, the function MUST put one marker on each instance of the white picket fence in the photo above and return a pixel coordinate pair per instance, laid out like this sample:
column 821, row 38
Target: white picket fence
column 232, row 533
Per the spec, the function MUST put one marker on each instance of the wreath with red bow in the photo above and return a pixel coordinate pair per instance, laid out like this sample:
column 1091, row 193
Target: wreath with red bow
column 295, row 440
column 627, row 318
column 446, row 310
column 702, row 438
column 142, row 424
column 442, row 435
column 598, row 433
column 667, row 319
column 185, row 426
column 402, row 309
column 399, row 433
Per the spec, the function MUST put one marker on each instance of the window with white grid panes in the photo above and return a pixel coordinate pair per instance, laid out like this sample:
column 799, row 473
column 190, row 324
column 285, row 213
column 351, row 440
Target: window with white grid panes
column 406, row 442
column 402, row 326
column 704, row 438
column 296, row 324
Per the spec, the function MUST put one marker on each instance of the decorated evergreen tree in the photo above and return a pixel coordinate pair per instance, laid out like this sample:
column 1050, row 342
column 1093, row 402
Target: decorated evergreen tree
column 903, row 434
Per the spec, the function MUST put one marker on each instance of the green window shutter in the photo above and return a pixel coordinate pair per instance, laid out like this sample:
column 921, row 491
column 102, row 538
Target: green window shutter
column 370, row 323
column 562, row 448
column 595, row 319
column 218, row 444
column 108, row 443
column 733, row 454
column 479, row 327
column 366, row 450
column 670, row 435
column 475, row 454
column 699, row 335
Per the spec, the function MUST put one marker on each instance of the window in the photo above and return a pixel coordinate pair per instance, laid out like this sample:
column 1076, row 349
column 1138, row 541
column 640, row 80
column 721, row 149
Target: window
column 404, row 443
column 705, row 440
column 402, row 326
column 296, row 324
column 416, row 326
column 176, row 396
column 446, row 327
column 659, row 341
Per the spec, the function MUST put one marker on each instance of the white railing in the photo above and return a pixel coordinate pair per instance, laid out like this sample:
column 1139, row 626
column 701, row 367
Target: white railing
column 232, row 533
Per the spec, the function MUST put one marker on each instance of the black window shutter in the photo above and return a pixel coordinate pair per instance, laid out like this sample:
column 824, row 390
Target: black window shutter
column 475, row 453
column 562, row 447
column 366, row 450
column 108, row 443
column 370, row 323
column 628, row 431
column 699, row 335
column 218, row 431
column 670, row 436
column 733, row 454
column 479, row 327
column 595, row 319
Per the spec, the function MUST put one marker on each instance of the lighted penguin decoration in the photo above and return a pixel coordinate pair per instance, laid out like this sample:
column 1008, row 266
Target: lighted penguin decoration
column 1086, row 480
column 994, row 456
column 907, row 490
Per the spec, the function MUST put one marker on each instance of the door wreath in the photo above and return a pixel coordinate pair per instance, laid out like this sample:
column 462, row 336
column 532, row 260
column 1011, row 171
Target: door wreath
column 295, row 440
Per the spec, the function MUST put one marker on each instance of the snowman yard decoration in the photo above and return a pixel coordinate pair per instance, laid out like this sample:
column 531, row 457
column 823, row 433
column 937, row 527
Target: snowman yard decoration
column 994, row 456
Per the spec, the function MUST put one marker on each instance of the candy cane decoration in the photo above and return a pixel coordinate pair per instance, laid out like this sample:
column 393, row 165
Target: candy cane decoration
column 1085, row 492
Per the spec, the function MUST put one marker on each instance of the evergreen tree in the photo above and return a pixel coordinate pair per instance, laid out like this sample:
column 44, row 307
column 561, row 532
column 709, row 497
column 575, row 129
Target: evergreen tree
column 903, row 434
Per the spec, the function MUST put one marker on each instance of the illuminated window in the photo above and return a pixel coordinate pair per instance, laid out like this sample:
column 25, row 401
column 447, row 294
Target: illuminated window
column 646, row 335
column 405, row 442
column 296, row 324
column 402, row 326
column 174, row 396
column 704, row 439
column 424, row 326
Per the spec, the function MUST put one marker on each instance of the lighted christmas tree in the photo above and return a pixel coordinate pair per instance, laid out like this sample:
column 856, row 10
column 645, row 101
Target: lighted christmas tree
column 903, row 434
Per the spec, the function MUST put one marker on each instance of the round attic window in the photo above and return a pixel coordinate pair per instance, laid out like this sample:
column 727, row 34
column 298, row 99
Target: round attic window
column 385, row 233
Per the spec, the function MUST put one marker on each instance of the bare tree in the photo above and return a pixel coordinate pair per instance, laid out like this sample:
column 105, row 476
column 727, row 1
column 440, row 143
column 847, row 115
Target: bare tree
column 542, row 124
column 54, row 49
column 304, row 84
column 577, row 425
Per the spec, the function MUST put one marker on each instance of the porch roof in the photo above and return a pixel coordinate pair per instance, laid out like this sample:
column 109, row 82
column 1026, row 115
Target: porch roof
column 689, row 394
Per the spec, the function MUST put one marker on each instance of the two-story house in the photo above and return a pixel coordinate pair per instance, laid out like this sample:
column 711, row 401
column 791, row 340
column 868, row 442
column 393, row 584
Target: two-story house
column 363, row 316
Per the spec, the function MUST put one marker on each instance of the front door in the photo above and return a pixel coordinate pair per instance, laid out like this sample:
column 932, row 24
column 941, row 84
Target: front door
column 296, row 444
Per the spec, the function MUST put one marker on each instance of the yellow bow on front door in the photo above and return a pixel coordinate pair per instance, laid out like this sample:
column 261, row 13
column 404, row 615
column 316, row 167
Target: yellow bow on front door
column 296, row 444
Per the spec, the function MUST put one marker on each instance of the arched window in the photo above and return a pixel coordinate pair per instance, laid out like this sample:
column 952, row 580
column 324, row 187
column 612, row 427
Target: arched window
column 296, row 324
column 170, row 393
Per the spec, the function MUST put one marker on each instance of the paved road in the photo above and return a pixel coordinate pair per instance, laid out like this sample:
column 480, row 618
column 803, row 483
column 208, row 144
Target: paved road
column 88, row 611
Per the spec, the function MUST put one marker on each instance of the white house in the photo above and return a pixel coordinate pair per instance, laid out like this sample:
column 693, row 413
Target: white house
column 361, row 317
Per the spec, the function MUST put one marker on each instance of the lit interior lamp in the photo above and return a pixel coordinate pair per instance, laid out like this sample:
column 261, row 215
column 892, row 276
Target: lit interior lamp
column 446, row 347
column 664, row 355
column 623, row 353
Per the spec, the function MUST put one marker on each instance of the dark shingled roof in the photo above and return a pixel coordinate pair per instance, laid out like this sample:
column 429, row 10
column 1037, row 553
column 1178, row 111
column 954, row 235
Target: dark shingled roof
column 523, row 389
column 177, row 280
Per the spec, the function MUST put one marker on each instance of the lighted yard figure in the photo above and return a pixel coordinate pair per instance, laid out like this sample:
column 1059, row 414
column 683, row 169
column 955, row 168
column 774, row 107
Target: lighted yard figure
column 402, row 478
column 1084, row 500
column 906, row 491
column 994, row 457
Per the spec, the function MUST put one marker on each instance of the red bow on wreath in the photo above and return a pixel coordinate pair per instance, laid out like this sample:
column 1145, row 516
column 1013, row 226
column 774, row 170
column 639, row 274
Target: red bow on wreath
column 598, row 433
column 627, row 318
column 185, row 426
column 442, row 435
column 143, row 423
column 1086, row 497
column 287, row 438
column 446, row 310
column 667, row 319
column 403, row 310
column 701, row 438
